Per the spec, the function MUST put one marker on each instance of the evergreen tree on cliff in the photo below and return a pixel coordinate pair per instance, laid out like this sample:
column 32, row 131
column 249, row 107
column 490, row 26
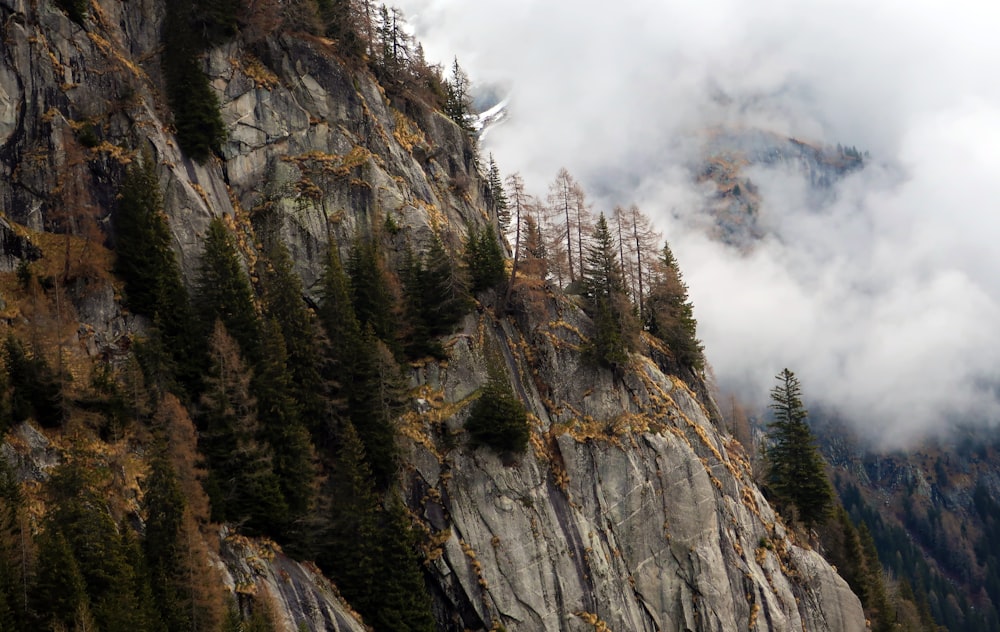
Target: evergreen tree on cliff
column 223, row 292
column 795, row 468
column 670, row 314
column 615, row 328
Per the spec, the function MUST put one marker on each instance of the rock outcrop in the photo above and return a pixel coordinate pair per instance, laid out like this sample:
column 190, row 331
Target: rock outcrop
column 630, row 512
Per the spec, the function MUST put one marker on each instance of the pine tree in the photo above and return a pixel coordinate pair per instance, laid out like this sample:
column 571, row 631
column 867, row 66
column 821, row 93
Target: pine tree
column 458, row 103
column 615, row 329
column 284, row 303
column 59, row 594
column 241, row 482
column 796, row 473
column 485, row 260
column 498, row 419
column 148, row 265
column 497, row 195
column 670, row 314
column 223, row 292
column 373, row 300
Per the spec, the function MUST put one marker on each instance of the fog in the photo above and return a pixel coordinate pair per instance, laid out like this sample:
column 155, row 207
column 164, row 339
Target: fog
column 885, row 299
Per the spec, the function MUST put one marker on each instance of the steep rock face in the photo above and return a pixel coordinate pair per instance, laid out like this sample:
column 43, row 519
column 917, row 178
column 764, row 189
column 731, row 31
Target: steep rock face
column 316, row 147
column 631, row 509
column 300, row 597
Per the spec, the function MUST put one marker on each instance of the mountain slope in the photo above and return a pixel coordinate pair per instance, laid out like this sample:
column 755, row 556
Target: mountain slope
column 630, row 511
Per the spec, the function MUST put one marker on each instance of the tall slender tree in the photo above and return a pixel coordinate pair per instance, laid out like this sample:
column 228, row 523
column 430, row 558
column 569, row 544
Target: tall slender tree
column 795, row 474
column 223, row 292
column 670, row 314
column 614, row 323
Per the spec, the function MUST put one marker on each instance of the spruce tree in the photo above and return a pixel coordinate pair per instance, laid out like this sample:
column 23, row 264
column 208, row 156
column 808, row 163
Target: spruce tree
column 615, row 330
column 282, row 427
column 336, row 314
column 373, row 403
column 485, row 259
column 497, row 195
column 670, row 314
column 241, row 483
column 284, row 303
column 373, row 301
column 796, row 473
column 168, row 567
column 59, row 594
column 153, row 283
column 498, row 419
column 458, row 103
column 35, row 389
column 223, row 292
column 444, row 294
column 369, row 548
column 350, row 553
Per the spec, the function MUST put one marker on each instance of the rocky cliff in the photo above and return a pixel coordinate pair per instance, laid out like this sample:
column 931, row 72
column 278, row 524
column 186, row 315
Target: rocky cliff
column 632, row 511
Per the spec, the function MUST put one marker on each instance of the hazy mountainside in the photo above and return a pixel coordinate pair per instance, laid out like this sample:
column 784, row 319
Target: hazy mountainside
column 932, row 511
column 735, row 201
column 630, row 510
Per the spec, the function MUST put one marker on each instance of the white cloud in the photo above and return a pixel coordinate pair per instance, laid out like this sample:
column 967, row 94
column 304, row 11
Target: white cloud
column 886, row 300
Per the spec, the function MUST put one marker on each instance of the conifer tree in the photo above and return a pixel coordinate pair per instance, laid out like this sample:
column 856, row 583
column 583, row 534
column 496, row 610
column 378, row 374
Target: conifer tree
column 59, row 594
column 223, row 292
column 13, row 552
column 670, row 314
column 148, row 265
column 283, row 303
column 498, row 419
column 282, row 427
column 336, row 314
column 497, row 195
column 190, row 26
column 519, row 200
column 458, row 103
column 445, row 294
column 241, row 483
column 164, row 505
column 403, row 604
column 373, row 402
column 615, row 329
column 485, row 260
column 369, row 550
column 373, row 301
column 795, row 473
column 117, row 588
column 349, row 552
column 35, row 389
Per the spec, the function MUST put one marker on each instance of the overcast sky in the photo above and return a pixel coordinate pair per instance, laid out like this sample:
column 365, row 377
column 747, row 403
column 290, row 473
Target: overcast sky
column 885, row 301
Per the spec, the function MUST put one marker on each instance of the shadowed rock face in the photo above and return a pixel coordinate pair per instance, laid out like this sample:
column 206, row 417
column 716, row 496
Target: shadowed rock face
column 630, row 509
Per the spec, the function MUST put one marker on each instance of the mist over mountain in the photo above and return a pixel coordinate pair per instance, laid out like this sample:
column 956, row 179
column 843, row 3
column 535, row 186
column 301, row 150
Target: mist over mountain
column 880, row 293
